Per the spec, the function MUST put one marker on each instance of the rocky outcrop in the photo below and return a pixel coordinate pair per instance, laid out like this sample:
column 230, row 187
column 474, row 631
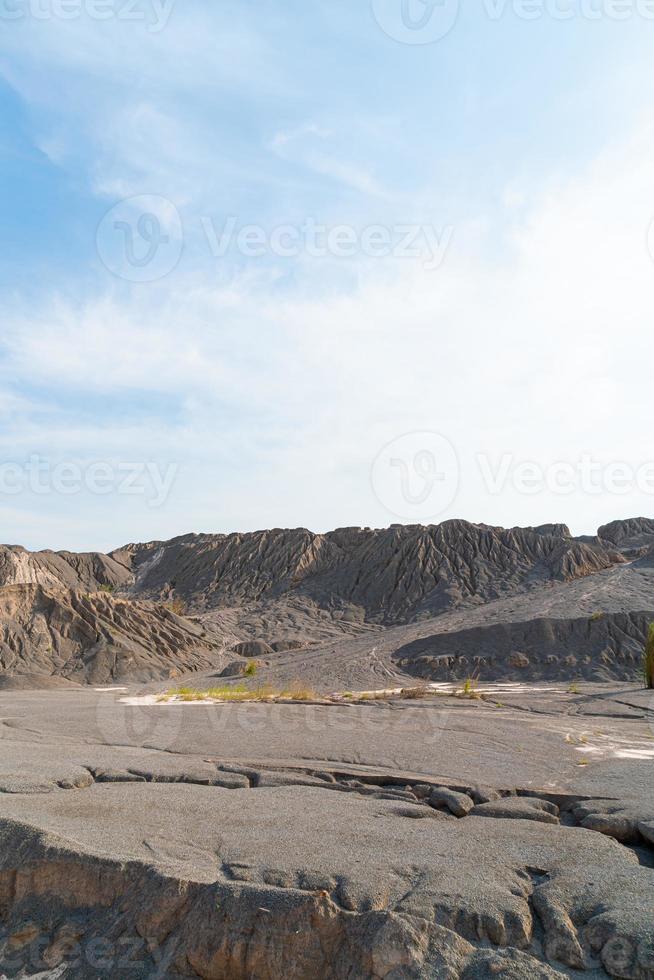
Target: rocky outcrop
column 95, row 638
column 632, row 536
column 186, row 880
column 600, row 647
column 252, row 648
column 62, row 569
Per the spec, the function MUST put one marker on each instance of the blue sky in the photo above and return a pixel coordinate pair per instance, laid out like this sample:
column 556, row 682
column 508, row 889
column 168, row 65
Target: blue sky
column 287, row 389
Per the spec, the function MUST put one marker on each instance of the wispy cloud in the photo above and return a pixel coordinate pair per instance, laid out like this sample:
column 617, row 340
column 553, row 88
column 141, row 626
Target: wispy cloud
column 273, row 383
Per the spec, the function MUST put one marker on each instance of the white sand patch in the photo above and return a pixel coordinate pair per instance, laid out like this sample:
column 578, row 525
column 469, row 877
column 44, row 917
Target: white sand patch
column 102, row 689
column 501, row 687
column 616, row 748
column 140, row 699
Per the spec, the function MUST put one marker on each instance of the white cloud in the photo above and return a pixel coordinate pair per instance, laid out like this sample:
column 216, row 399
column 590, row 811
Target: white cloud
column 535, row 341
column 275, row 385
column 317, row 149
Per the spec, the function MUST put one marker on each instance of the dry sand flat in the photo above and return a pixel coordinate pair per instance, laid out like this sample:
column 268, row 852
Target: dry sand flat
column 389, row 839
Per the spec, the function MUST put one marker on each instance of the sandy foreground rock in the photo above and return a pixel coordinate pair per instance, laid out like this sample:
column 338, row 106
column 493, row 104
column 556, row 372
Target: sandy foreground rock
column 309, row 840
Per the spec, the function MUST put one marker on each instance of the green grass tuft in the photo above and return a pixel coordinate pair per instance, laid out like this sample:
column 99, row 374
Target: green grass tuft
column 239, row 692
column 469, row 689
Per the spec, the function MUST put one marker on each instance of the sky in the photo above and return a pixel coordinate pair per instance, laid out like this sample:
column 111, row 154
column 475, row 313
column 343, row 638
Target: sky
column 325, row 264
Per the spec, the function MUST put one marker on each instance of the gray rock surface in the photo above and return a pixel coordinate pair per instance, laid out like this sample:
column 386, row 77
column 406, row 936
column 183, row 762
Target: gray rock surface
column 458, row 804
column 268, row 840
column 519, row 808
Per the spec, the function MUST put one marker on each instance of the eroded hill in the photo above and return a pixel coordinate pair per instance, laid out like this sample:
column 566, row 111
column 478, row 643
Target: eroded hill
column 95, row 638
column 383, row 576
column 363, row 594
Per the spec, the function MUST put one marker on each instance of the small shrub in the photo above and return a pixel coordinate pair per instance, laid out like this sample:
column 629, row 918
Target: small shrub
column 251, row 669
column 106, row 588
column 413, row 693
column 469, row 689
column 574, row 688
column 176, row 606
column 648, row 659
column 299, row 692
column 596, row 615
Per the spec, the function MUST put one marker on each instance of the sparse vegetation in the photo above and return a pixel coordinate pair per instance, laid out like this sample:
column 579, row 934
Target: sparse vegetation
column 469, row 689
column 294, row 692
column 225, row 693
column 176, row 606
column 573, row 688
column 299, row 692
column 239, row 692
column 648, row 659
column 596, row 615
column 413, row 693
column 405, row 693
column 250, row 669
column 106, row 588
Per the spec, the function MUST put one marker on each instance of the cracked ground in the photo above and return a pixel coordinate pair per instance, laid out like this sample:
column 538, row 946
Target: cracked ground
column 511, row 834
